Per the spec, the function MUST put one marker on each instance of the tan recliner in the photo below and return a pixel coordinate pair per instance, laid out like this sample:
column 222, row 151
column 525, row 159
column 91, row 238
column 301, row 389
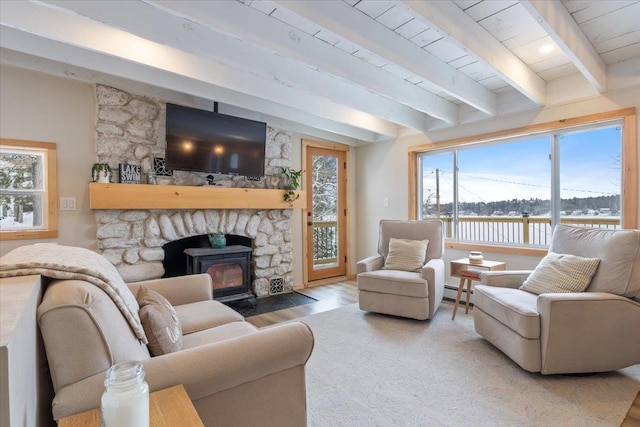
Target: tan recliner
column 415, row 295
column 593, row 331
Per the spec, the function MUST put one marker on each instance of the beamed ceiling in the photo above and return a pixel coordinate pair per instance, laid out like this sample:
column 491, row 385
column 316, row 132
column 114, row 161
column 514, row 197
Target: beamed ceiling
column 355, row 71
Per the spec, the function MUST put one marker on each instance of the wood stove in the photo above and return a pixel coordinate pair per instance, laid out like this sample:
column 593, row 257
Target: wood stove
column 229, row 268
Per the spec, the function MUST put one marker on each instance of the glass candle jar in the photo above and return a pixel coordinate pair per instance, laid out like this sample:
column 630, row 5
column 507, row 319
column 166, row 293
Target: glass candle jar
column 125, row 402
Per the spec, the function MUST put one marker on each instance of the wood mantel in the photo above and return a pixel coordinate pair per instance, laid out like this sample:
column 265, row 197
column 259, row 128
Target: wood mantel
column 145, row 196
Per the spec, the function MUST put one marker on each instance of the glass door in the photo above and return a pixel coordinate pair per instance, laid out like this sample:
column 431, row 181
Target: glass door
column 326, row 215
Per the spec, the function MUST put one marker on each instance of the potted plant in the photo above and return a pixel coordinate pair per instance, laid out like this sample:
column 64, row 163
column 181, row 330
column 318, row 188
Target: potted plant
column 101, row 172
column 291, row 182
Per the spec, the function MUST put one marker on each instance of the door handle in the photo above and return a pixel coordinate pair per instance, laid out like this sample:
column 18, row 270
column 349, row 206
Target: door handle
column 310, row 223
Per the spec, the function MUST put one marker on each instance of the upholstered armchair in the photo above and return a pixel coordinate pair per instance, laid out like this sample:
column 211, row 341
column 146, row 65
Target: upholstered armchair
column 407, row 280
column 553, row 330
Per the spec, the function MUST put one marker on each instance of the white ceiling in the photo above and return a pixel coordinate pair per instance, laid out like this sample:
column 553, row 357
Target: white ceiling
column 357, row 71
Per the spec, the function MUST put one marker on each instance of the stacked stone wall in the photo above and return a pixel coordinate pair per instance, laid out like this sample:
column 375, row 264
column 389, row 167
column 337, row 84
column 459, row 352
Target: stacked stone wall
column 130, row 129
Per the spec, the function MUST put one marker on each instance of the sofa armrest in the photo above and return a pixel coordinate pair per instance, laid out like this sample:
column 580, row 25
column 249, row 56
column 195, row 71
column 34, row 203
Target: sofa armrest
column 588, row 332
column 433, row 272
column 207, row 369
column 504, row 279
column 179, row 290
column 370, row 264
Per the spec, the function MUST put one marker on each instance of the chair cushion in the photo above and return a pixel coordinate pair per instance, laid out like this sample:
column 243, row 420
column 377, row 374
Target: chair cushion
column 197, row 316
column 513, row 308
column 219, row 333
column 395, row 282
column 415, row 230
column 405, row 254
column 160, row 322
column 561, row 273
column 618, row 250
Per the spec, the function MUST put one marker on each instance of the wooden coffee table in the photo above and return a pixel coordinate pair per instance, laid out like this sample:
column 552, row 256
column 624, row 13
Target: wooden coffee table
column 457, row 269
column 167, row 408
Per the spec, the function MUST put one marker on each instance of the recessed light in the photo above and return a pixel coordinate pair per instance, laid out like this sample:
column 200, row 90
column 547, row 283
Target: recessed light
column 546, row 48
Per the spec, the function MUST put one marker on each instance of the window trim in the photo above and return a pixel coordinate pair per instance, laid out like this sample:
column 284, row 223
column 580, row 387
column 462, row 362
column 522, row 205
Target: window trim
column 50, row 212
column 629, row 165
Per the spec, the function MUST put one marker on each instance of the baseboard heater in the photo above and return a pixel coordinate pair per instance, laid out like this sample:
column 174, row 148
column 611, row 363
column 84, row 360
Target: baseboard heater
column 450, row 293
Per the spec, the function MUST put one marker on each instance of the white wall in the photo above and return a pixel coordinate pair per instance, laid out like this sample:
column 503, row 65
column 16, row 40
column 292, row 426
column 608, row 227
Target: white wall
column 38, row 107
column 382, row 169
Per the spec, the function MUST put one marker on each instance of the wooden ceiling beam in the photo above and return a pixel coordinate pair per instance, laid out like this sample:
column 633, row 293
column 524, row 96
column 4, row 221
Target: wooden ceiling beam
column 351, row 24
column 98, row 47
column 453, row 23
column 187, row 34
column 565, row 32
column 252, row 26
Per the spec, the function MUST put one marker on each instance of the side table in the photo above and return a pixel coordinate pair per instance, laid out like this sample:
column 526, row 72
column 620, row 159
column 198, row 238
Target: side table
column 167, row 408
column 467, row 272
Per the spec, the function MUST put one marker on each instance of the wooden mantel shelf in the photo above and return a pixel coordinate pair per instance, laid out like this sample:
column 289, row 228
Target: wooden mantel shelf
column 145, row 196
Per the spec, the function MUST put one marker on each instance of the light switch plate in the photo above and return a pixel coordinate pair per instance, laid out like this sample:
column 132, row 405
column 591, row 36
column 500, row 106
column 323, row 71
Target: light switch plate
column 67, row 203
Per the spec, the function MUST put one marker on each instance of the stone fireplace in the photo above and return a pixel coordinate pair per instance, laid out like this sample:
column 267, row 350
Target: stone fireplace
column 130, row 130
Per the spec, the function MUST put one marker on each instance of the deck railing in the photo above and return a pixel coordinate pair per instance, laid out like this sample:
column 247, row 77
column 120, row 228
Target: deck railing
column 325, row 243
column 518, row 230
column 514, row 230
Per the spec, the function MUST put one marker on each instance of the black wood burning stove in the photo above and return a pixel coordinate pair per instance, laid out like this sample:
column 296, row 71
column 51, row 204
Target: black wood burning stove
column 229, row 268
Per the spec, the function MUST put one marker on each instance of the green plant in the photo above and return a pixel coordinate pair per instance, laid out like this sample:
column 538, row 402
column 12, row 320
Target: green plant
column 101, row 167
column 291, row 183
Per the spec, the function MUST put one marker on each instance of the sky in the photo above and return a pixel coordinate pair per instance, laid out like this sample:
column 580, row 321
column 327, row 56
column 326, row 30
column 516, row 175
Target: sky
column 589, row 165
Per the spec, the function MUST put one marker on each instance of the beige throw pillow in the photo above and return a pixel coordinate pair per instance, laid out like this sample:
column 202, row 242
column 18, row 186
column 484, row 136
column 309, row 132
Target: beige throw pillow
column 160, row 322
column 406, row 255
column 559, row 273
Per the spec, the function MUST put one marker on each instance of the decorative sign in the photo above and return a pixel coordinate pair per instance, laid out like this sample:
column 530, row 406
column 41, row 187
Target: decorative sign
column 129, row 174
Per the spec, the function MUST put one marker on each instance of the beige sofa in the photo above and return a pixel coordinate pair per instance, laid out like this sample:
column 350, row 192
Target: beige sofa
column 235, row 374
column 574, row 332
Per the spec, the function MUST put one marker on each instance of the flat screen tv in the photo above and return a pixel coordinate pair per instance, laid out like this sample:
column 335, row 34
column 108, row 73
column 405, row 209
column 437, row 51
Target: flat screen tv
column 209, row 142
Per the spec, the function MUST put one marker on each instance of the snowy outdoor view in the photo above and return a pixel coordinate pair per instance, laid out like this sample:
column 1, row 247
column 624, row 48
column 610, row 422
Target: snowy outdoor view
column 21, row 190
column 325, row 209
column 505, row 190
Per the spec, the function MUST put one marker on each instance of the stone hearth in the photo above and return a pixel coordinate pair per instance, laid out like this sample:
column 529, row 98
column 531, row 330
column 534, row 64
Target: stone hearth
column 133, row 240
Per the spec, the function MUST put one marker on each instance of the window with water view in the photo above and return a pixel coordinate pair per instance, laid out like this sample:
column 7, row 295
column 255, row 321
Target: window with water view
column 515, row 191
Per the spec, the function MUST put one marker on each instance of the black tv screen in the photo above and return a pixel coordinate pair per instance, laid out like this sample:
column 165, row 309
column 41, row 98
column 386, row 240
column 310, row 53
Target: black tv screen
column 205, row 141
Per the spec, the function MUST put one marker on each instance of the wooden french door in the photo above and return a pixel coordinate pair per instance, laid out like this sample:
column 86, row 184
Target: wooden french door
column 325, row 218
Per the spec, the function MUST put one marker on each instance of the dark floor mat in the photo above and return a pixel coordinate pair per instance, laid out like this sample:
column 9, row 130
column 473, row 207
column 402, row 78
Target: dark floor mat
column 269, row 304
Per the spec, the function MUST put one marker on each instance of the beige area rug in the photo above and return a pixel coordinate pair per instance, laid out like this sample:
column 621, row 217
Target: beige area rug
column 374, row 370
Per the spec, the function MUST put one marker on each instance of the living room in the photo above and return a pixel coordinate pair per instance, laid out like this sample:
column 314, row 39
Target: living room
column 58, row 107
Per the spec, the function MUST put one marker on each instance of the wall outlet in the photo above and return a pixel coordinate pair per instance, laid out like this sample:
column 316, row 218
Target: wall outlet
column 67, row 203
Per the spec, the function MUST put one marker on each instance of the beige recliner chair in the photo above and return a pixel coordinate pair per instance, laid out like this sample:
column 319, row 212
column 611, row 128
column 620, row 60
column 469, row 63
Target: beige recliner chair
column 593, row 331
column 413, row 294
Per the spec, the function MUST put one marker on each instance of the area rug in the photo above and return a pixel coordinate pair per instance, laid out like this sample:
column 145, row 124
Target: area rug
column 374, row 370
column 271, row 303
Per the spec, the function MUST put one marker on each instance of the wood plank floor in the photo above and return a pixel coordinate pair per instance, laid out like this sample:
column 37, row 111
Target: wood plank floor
column 339, row 294
column 329, row 297
column 633, row 416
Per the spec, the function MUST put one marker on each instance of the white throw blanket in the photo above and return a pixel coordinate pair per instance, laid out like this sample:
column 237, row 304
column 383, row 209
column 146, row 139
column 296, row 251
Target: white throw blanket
column 73, row 263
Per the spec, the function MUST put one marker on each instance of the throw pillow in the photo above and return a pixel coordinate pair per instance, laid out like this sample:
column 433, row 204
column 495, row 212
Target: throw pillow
column 558, row 273
column 160, row 322
column 405, row 254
